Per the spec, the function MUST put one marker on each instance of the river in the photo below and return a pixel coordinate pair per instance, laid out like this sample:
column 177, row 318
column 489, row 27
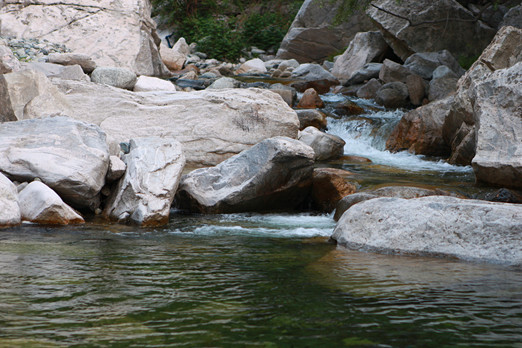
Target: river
column 270, row 280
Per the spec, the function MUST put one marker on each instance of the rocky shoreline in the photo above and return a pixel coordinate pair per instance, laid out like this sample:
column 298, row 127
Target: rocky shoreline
column 79, row 136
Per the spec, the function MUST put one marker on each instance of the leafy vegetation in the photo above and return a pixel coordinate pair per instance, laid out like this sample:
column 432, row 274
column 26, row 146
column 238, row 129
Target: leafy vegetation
column 224, row 29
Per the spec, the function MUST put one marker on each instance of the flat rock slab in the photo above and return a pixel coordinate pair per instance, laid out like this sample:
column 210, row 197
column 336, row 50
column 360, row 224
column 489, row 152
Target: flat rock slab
column 273, row 175
column 436, row 225
column 70, row 156
column 145, row 193
column 211, row 125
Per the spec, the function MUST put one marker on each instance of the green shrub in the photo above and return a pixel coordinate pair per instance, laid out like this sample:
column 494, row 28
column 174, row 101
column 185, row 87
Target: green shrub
column 264, row 31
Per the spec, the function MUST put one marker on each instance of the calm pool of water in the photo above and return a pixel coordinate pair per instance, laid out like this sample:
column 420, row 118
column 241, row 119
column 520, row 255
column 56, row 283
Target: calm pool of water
column 242, row 280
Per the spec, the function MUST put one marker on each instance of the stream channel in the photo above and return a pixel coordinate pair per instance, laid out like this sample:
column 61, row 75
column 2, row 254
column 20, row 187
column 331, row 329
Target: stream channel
column 257, row 280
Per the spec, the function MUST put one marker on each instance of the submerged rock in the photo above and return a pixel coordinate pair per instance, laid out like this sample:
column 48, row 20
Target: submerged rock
column 41, row 205
column 145, row 193
column 275, row 174
column 69, row 156
column 9, row 207
column 449, row 226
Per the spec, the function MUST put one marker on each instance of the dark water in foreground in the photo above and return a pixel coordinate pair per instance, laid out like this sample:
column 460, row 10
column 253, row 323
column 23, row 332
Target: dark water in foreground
column 242, row 280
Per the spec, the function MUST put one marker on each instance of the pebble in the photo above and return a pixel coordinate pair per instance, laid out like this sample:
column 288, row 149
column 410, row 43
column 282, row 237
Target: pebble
column 33, row 49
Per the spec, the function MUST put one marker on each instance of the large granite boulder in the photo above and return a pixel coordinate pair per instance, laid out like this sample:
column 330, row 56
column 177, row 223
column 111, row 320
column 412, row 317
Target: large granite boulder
column 317, row 31
column 498, row 107
column 28, row 93
column 41, row 205
column 365, row 48
column 113, row 33
column 211, row 125
column 69, row 156
column 467, row 229
column 145, row 193
column 420, row 131
column 430, row 26
column 484, row 96
column 392, row 95
column 83, row 60
column 273, row 175
column 9, row 207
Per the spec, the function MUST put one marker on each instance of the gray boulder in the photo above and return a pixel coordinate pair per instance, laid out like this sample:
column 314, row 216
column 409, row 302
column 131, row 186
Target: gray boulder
column 423, row 64
column 369, row 89
column 116, row 77
column 69, row 156
column 326, row 146
column 289, row 94
column 416, row 89
column 513, row 17
column 392, row 95
column 273, row 175
column 443, row 71
column 364, row 48
column 224, row 82
column 467, row 229
column 41, row 205
column 441, row 88
column 431, row 26
column 316, row 33
column 460, row 127
column 145, row 193
column 393, row 72
column 313, row 76
column 116, row 169
column 9, row 207
column 368, row 72
column 311, row 117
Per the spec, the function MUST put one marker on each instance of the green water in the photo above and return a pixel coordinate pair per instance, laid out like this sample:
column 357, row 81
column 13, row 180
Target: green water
column 242, row 281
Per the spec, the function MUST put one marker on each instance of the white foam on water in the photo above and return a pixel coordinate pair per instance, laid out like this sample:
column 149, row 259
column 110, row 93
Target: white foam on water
column 267, row 225
column 366, row 136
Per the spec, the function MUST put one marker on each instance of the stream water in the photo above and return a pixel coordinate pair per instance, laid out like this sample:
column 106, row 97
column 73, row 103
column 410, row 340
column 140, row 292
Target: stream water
column 269, row 280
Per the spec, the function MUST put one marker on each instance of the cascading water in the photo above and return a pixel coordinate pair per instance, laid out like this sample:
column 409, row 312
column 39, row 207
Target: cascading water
column 366, row 134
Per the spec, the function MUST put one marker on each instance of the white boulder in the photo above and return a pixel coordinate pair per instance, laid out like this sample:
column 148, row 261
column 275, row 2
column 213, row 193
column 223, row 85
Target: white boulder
column 145, row 193
column 9, row 207
column 40, row 204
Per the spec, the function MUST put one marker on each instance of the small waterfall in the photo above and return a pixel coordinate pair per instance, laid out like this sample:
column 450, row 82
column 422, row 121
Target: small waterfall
column 366, row 136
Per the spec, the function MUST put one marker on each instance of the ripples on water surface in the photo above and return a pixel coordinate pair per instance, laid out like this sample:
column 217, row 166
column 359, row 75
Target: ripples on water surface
column 241, row 280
